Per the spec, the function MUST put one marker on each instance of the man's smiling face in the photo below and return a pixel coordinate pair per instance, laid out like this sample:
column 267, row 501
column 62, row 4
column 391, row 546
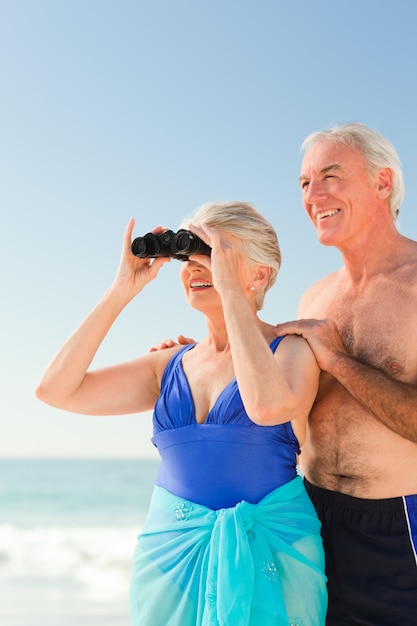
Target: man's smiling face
column 338, row 191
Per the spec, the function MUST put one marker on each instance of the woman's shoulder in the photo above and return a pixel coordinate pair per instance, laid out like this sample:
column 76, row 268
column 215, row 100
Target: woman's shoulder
column 163, row 358
column 269, row 331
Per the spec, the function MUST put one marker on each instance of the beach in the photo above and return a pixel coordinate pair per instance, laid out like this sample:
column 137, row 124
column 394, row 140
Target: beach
column 67, row 533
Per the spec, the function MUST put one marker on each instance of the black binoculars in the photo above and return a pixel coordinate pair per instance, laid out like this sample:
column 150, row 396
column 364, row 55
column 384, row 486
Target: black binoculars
column 176, row 245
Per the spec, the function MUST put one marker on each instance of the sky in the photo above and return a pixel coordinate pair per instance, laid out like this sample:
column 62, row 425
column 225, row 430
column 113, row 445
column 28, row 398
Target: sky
column 118, row 108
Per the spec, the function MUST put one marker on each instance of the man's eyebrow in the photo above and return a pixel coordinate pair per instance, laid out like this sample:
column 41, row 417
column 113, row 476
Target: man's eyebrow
column 324, row 170
column 332, row 166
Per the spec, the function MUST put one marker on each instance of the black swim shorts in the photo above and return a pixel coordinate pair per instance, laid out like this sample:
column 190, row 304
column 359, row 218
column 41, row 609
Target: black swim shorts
column 371, row 560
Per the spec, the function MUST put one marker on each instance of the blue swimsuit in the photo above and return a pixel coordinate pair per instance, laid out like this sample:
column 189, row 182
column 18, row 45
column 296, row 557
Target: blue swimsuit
column 228, row 458
column 231, row 537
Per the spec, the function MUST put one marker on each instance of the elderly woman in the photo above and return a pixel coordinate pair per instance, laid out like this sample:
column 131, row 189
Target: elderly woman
column 231, row 537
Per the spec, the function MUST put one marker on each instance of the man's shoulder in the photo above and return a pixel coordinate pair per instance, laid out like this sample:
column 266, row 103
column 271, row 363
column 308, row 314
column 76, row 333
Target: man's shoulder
column 403, row 268
column 316, row 293
column 327, row 282
column 409, row 251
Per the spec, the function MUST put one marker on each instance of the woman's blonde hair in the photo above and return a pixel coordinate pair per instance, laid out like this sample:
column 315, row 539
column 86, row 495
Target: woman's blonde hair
column 258, row 239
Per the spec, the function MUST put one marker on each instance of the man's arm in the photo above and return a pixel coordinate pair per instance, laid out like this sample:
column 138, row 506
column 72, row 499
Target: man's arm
column 390, row 401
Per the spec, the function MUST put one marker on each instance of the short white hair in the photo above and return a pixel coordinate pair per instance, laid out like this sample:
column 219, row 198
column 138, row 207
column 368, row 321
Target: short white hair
column 377, row 150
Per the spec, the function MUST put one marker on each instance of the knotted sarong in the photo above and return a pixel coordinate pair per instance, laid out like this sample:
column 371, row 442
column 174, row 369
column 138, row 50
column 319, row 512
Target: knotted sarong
column 248, row 565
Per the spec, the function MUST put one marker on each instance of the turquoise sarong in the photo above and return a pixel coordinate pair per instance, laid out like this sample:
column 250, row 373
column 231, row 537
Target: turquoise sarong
column 248, row 565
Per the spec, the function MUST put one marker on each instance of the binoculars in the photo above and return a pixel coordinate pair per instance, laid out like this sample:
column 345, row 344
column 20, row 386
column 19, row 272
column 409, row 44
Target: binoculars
column 176, row 245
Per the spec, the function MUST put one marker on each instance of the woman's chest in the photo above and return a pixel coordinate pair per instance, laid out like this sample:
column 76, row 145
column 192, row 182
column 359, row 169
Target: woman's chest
column 208, row 379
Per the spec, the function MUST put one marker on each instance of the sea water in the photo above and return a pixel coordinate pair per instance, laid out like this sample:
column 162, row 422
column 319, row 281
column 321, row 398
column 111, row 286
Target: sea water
column 67, row 534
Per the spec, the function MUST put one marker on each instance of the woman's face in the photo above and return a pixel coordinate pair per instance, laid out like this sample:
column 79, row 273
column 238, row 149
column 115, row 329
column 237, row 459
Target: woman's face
column 204, row 278
column 198, row 285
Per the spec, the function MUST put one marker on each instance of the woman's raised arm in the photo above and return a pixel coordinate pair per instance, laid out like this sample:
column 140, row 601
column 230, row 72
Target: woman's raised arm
column 67, row 383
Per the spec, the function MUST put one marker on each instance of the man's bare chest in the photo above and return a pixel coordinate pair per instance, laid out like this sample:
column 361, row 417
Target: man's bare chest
column 378, row 329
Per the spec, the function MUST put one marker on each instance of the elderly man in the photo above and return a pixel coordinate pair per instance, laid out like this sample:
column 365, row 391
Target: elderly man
column 360, row 458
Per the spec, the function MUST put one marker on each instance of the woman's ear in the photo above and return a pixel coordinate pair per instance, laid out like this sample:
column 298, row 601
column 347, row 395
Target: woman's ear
column 260, row 276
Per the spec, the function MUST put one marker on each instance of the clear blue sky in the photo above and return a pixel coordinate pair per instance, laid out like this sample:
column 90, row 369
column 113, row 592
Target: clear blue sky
column 110, row 109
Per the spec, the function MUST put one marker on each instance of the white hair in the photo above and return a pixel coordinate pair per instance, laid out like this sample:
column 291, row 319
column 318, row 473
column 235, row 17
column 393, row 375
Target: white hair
column 377, row 150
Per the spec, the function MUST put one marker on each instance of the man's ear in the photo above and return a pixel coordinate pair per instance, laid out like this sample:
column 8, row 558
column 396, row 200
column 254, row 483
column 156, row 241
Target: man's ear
column 385, row 179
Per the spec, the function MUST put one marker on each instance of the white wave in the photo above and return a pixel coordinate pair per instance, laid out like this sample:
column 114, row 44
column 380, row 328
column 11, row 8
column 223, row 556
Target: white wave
column 96, row 559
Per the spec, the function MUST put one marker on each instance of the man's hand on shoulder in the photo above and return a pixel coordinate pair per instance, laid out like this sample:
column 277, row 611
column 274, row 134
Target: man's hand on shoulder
column 322, row 335
column 170, row 343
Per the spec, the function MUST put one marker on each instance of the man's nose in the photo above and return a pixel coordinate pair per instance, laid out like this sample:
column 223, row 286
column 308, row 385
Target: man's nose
column 314, row 192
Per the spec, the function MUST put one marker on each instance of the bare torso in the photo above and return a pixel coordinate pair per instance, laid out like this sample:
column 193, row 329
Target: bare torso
column 347, row 448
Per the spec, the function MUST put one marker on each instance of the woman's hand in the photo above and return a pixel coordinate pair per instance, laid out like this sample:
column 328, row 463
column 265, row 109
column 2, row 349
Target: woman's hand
column 226, row 263
column 134, row 273
column 68, row 382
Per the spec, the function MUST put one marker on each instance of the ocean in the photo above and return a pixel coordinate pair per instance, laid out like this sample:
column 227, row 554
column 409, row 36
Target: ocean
column 67, row 534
